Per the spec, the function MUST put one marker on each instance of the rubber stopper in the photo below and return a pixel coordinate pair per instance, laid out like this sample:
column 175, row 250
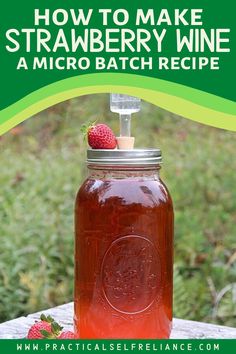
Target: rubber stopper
column 125, row 142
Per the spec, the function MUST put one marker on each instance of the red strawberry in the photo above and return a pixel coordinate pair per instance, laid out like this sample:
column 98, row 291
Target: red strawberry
column 100, row 136
column 46, row 328
column 67, row 335
column 35, row 330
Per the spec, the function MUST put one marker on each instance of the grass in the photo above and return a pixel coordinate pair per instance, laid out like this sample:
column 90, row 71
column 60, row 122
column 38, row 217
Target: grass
column 42, row 167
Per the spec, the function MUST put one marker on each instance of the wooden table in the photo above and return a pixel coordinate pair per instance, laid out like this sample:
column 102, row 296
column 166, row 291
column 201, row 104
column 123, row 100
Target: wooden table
column 181, row 328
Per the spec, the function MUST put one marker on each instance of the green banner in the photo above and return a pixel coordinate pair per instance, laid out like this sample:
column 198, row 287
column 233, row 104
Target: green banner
column 118, row 346
column 179, row 55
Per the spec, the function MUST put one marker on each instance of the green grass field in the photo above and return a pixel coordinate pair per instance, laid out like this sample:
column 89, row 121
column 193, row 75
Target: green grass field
column 42, row 166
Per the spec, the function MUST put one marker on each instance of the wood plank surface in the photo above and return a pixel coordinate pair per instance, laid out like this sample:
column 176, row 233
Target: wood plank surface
column 64, row 314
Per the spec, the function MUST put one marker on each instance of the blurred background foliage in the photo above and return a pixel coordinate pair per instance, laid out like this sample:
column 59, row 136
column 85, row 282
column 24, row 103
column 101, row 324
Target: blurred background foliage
column 42, row 167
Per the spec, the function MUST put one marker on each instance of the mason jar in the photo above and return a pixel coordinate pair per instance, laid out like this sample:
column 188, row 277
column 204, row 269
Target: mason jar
column 123, row 247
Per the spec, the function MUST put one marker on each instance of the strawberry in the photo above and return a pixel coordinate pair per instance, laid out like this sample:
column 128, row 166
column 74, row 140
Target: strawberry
column 100, row 136
column 35, row 330
column 67, row 335
column 45, row 328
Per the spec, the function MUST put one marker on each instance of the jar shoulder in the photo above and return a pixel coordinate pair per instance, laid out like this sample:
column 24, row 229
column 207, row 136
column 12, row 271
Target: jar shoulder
column 150, row 192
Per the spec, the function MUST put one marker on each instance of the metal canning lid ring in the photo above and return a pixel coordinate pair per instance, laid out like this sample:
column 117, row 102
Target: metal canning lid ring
column 124, row 157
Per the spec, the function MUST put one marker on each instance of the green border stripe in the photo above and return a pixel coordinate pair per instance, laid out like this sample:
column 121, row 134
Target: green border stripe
column 190, row 103
column 172, row 103
column 200, row 97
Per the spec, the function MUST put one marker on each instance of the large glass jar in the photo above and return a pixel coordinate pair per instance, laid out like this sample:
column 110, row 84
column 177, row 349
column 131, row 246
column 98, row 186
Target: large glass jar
column 123, row 247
